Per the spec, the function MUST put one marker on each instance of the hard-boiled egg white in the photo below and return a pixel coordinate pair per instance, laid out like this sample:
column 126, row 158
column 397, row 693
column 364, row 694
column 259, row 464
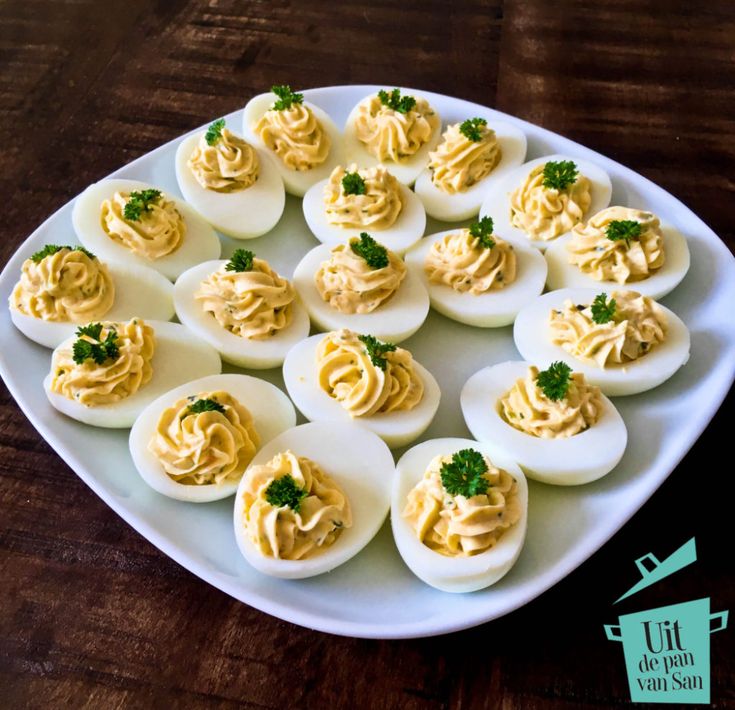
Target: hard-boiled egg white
column 408, row 169
column 359, row 462
column 497, row 201
column 394, row 320
column 243, row 352
column 139, row 291
column 562, row 274
column 200, row 241
column 532, row 334
column 272, row 413
column 297, row 182
column 486, row 310
column 454, row 574
column 242, row 214
column 395, row 428
column 577, row 459
column 404, row 232
column 178, row 358
column 463, row 205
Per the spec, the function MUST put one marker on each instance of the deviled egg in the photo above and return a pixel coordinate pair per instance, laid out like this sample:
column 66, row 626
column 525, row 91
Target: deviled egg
column 195, row 442
column 364, row 199
column 235, row 186
column 545, row 198
column 558, row 427
column 134, row 223
column 396, row 128
column 61, row 287
column 476, row 277
column 312, row 498
column 109, row 372
column 245, row 310
column 344, row 376
column 459, row 512
column 363, row 286
column 623, row 342
column 620, row 246
column 472, row 155
column 301, row 137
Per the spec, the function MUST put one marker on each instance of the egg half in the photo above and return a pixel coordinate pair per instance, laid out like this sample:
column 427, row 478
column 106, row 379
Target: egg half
column 242, row 214
column 243, row 352
column 199, row 243
column 297, row 182
column 454, row 574
column 394, row 320
column 404, row 232
column 359, row 462
column 395, row 428
column 577, row 459
column 139, row 292
column 463, row 205
column 272, row 413
column 177, row 358
column 486, row 310
column 532, row 334
column 497, row 201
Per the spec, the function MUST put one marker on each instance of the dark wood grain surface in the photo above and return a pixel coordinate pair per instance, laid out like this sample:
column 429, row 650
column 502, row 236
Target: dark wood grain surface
column 92, row 615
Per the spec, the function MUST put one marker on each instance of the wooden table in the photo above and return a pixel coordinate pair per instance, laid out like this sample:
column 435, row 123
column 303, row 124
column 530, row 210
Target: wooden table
column 92, row 615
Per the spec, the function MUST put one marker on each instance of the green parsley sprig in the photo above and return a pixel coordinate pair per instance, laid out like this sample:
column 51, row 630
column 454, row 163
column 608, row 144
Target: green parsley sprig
column 603, row 311
column 470, row 129
column 241, row 260
column 623, row 230
column 465, row 474
column 483, row 231
column 89, row 345
column 51, row 249
column 559, row 175
column 285, row 492
column 353, row 184
column 214, row 132
column 376, row 350
column 394, row 100
column 286, row 97
column 204, row 405
column 140, row 202
column 554, row 382
column 375, row 254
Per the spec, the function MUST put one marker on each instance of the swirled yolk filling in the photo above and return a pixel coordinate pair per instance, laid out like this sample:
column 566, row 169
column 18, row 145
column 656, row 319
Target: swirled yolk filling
column 203, row 445
column 228, row 165
column 252, row 304
column 347, row 373
column 293, row 509
column 67, row 286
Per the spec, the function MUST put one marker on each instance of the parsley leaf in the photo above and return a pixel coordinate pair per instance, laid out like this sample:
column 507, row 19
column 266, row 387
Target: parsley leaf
column 483, row 230
column 204, row 405
column 376, row 350
column 242, row 260
column 285, row 492
column 353, row 184
column 603, row 311
column 559, row 175
column 554, row 382
column 51, row 249
column 139, row 203
column 470, row 129
column 286, row 97
column 214, row 132
column 623, row 229
column 464, row 476
column 394, row 100
column 95, row 348
column 375, row 254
